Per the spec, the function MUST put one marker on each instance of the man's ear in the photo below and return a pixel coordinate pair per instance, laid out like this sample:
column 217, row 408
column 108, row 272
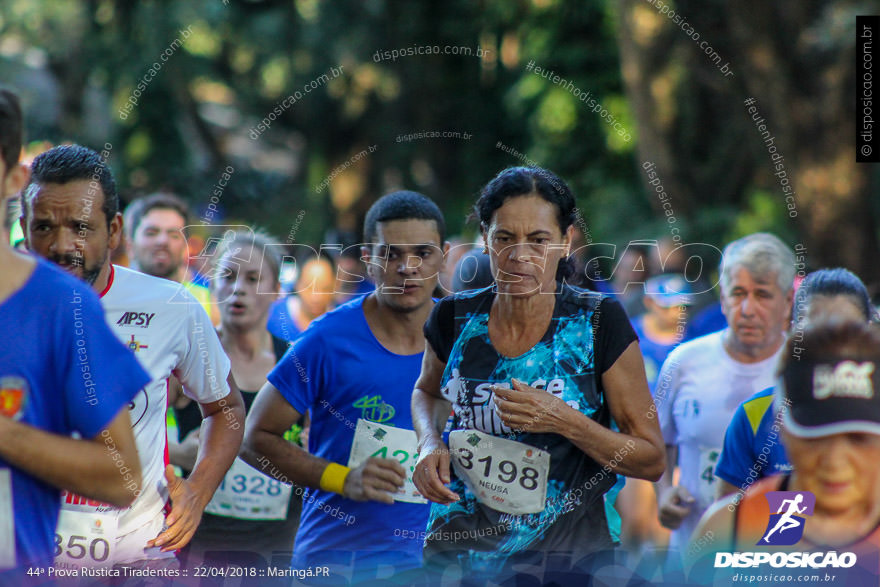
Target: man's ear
column 22, row 222
column 115, row 232
column 366, row 256
column 567, row 239
column 15, row 179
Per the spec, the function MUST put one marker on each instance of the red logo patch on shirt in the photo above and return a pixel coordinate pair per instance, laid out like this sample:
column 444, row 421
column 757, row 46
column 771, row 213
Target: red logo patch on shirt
column 13, row 396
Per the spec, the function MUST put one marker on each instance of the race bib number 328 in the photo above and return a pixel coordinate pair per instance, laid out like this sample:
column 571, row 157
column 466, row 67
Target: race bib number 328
column 249, row 494
column 505, row 475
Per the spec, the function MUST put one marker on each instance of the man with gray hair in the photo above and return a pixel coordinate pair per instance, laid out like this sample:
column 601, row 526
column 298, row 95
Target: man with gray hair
column 703, row 381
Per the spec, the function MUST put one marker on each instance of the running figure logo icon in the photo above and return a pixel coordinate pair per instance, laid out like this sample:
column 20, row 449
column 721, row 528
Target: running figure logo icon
column 786, row 526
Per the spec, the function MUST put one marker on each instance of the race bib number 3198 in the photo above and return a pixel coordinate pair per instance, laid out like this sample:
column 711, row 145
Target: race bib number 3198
column 505, row 475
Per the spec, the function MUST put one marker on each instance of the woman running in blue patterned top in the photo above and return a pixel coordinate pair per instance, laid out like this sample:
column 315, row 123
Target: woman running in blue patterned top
column 548, row 396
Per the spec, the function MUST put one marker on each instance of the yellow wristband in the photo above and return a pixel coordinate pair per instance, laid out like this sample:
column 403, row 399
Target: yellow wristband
column 333, row 478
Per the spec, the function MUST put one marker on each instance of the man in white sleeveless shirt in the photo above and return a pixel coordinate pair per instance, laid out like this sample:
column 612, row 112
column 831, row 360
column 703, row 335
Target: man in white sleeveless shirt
column 71, row 217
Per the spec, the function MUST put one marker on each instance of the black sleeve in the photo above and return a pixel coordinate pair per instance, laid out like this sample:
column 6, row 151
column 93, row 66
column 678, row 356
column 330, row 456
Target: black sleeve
column 440, row 328
column 614, row 333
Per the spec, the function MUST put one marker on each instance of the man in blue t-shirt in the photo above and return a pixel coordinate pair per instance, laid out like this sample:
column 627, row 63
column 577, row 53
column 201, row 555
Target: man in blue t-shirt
column 359, row 361
column 752, row 445
column 62, row 371
column 661, row 327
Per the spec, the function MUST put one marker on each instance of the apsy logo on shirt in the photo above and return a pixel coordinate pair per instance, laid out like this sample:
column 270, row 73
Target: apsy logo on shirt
column 141, row 319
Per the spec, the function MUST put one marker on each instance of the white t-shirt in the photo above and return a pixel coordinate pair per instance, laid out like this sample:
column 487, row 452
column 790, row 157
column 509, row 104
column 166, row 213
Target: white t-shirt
column 170, row 333
column 699, row 388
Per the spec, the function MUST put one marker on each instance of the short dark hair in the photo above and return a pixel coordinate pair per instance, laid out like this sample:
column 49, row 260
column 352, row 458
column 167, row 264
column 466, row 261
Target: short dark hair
column 67, row 163
column 402, row 205
column 139, row 208
column 833, row 282
column 10, row 127
column 522, row 181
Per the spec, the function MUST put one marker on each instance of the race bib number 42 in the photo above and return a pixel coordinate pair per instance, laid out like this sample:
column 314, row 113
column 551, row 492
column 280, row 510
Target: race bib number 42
column 387, row 442
column 505, row 475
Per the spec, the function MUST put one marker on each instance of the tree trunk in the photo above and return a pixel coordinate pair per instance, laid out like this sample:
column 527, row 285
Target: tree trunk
column 796, row 59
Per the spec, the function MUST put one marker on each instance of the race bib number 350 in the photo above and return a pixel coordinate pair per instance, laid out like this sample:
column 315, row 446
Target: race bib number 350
column 84, row 539
column 387, row 442
column 505, row 475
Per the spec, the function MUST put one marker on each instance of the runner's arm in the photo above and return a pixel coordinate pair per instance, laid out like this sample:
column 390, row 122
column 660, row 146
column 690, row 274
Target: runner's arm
column 87, row 467
column 266, row 449
column 673, row 501
column 665, row 480
column 222, row 423
column 429, row 409
column 429, row 413
column 635, row 451
column 185, row 452
column 220, row 438
column 630, row 402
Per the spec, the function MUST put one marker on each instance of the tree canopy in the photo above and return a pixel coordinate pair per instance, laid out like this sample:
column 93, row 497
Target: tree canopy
column 359, row 98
